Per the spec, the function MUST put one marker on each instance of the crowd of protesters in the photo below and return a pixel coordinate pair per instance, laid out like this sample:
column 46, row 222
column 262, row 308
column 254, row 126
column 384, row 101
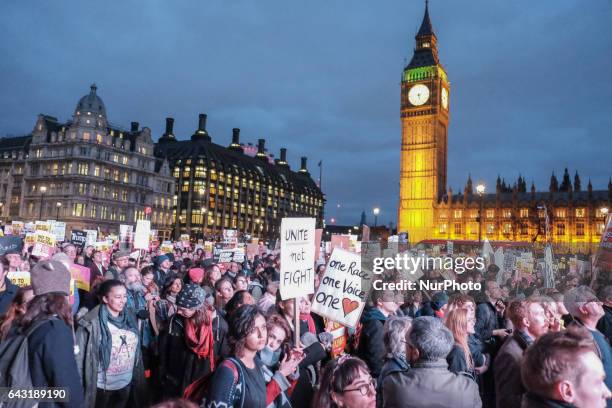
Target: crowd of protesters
column 179, row 330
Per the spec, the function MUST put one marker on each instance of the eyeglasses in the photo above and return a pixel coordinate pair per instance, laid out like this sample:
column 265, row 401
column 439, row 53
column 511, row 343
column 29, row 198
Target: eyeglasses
column 365, row 388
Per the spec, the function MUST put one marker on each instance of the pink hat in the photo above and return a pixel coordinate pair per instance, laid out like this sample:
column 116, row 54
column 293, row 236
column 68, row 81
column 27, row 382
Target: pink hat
column 196, row 274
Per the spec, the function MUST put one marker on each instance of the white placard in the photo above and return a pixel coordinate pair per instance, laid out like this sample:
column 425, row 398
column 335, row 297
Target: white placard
column 141, row 237
column 297, row 257
column 92, row 237
column 344, row 289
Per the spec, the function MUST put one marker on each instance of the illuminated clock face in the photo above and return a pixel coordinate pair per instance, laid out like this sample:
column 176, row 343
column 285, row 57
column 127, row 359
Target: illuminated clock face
column 444, row 98
column 418, row 95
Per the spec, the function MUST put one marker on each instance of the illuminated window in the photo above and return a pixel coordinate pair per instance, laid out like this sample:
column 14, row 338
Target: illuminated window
column 580, row 213
column 524, row 229
column 490, row 213
column 86, row 135
column 490, row 228
column 97, row 171
column 457, row 229
column 83, row 169
column 601, row 213
column 443, row 214
column 443, row 228
column 560, row 213
column 560, row 228
column 507, row 213
column 77, row 210
column 580, row 229
column 99, row 138
column 457, row 214
column 524, row 213
column 507, row 228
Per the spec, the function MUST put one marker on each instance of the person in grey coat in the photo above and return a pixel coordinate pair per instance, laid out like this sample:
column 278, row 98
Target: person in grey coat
column 428, row 383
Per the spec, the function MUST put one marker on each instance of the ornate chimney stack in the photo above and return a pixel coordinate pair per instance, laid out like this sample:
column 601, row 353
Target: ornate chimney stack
column 201, row 133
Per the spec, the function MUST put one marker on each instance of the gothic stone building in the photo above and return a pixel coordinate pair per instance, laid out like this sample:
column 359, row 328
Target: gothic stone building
column 86, row 172
column 222, row 187
column 428, row 210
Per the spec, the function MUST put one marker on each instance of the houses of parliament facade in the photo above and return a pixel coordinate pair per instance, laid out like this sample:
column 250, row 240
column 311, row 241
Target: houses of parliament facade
column 568, row 213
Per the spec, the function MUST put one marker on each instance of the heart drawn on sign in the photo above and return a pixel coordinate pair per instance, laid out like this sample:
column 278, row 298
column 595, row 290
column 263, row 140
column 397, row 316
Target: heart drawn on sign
column 349, row 305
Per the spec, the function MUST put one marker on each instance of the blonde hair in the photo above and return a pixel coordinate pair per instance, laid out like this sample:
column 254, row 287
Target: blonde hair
column 457, row 322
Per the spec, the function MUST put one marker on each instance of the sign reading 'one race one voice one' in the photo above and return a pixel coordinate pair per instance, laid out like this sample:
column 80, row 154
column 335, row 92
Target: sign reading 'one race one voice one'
column 297, row 257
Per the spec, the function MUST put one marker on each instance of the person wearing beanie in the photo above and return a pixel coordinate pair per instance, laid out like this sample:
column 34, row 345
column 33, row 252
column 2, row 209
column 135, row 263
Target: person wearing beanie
column 163, row 273
column 196, row 275
column 436, row 306
column 48, row 320
column 192, row 343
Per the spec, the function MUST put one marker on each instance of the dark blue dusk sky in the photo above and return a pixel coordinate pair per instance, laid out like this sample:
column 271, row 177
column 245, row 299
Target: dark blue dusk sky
column 531, row 88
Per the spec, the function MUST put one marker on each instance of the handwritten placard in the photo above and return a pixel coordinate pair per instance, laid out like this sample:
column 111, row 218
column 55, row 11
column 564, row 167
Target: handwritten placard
column 344, row 288
column 44, row 244
column 297, row 257
column 20, row 279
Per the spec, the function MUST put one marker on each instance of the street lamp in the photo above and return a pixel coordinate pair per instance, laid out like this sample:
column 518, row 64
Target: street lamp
column 376, row 211
column 58, row 205
column 480, row 189
column 43, row 190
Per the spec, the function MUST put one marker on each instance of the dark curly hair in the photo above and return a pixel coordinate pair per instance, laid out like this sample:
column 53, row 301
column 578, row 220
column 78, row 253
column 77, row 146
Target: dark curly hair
column 337, row 375
column 241, row 323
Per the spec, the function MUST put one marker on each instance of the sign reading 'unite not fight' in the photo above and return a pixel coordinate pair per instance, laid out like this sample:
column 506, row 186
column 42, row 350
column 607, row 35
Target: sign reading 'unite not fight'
column 297, row 257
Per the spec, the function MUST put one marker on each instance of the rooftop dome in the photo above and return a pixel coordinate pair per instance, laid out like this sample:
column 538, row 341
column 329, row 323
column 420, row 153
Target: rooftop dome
column 91, row 103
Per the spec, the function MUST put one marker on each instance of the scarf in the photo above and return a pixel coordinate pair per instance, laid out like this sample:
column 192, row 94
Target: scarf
column 200, row 340
column 125, row 321
column 269, row 357
column 308, row 319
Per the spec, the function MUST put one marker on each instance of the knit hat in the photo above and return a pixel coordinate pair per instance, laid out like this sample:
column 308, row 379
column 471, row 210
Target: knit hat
column 50, row 277
column 196, row 274
column 190, row 297
column 162, row 258
column 438, row 300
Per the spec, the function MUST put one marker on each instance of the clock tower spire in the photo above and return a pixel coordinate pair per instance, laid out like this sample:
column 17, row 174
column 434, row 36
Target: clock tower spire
column 424, row 115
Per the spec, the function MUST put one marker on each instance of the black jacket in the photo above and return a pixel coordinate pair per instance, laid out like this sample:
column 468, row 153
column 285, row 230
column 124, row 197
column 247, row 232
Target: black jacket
column 52, row 361
column 392, row 365
column 7, row 296
column 371, row 347
column 605, row 323
column 179, row 365
column 487, row 320
column 534, row 401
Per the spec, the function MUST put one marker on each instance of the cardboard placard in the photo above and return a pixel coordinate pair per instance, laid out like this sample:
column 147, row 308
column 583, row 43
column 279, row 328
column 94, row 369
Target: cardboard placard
column 20, row 279
column 44, row 245
column 10, row 243
column 297, row 257
column 78, row 238
column 141, row 237
column 344, row 289
column 81, row 275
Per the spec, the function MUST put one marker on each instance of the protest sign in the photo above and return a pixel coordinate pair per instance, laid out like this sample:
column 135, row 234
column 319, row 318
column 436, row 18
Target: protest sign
column 297, row 250
column 20, row 279
column 81, row 275
column 185, row 240
column 10, row 243
column 29, row 239
column 102, row 246
column 92, row 237
column 365, row 235
column 78, row 238
column 602, row 264
column 231, row 255
column 344, row 288
column 42, row 226
column 44, row 244
column 252, row 250
column 166, row 247
column 339, row 241
column 8, row 230
column 450, row 247
column 141, row 238
column 18, row 227
column 59, row 230
column 339, row 341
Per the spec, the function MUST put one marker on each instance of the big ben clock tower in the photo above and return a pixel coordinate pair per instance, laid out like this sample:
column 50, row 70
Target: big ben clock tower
column 424, row 116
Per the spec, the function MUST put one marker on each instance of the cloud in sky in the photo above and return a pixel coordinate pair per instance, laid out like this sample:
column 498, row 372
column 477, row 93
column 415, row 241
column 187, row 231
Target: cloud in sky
column 529, row 81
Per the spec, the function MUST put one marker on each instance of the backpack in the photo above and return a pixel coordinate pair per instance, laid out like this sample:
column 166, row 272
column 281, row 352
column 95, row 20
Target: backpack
column 15, row 366
column 197, row 391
